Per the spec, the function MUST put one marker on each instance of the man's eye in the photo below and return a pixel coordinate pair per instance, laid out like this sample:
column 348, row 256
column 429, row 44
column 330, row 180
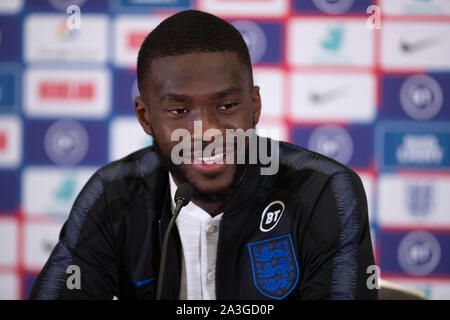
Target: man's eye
column 227, row 106
column 179, row 111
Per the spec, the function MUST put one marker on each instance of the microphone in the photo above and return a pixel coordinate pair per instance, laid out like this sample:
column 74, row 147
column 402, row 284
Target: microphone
column 183, row 196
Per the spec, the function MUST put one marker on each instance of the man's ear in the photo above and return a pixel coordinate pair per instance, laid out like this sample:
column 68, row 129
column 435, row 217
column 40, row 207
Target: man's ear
column 143, row 115
column 256, row 100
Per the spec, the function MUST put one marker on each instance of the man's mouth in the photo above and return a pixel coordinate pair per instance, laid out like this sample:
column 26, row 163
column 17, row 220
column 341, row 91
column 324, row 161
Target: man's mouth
column 211, row 164
column 218, row 158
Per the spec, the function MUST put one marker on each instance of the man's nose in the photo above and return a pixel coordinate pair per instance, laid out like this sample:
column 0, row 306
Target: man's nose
column 209, row 125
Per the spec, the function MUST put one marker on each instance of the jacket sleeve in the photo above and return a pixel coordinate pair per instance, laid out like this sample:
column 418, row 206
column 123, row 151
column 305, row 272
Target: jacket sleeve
column 337, row 248
column 83, row 265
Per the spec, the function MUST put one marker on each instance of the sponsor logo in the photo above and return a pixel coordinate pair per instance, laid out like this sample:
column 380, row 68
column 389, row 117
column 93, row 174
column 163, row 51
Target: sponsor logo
column 420, row 149
column 420, row 199
column 334, row 6
column 332, row 141
column 40, row 239
column 328, row 97
column 415, row 200
column 407, row 145
column 49, row 90
column 333, row 41
column 64, row 34
column 274, row 266
column 417, row 46
column 419, row 253
column 254, row 37
column 409, row 46
column 271, row 216
column 83, row 93
column 319, row 98
column 421, row 97
column 47, row 38
column 337, row 42
column 66, row 142
column 61, row 188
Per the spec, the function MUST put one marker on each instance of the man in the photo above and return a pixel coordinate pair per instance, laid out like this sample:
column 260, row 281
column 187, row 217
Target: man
column 301, row 232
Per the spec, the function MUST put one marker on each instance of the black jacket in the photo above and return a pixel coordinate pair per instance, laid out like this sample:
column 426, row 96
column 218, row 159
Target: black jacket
column 302, row 233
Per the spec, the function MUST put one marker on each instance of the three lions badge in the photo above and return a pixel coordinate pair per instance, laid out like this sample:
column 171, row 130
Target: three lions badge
column 274, row 265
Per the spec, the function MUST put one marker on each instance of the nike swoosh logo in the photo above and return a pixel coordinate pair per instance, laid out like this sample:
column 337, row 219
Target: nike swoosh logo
column 323, row 97
column 418, row 45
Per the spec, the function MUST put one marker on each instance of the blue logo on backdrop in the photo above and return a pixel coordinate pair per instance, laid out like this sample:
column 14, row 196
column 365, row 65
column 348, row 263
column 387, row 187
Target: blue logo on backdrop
column 407, row 145
column 419, row 97
column 333, row 141
column 419, row 253
column 339, row 143
column 414, row 252
column 274, row 266
column 66, row 142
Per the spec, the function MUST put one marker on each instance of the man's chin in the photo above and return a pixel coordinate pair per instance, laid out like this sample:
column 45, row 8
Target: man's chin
column 205, row 188
column 211, row 187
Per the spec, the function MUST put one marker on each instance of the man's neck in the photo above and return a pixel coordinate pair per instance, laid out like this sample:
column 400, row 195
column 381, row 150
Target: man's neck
column 213, row 208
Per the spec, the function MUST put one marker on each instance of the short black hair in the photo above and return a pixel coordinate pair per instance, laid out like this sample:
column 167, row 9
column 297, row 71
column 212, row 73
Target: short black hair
column 190, row 31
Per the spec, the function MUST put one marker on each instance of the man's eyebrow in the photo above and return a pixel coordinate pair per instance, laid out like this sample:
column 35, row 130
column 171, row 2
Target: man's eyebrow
column 174, row 97
column 182, row 98
column 226, row 92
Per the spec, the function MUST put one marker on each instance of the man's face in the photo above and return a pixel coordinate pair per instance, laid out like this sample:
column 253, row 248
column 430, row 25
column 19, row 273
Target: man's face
column 211, row 87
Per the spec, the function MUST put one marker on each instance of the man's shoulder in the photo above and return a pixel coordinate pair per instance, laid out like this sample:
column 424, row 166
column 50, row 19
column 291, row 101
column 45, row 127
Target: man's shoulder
column 137, row 164
column 128, row 178
column 299, row 158
column 300, row 167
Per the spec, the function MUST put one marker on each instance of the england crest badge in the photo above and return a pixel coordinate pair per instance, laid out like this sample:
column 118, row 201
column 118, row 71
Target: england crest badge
column 274, row 266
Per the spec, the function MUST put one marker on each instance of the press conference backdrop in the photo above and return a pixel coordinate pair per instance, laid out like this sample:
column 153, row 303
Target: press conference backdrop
column 377, row 100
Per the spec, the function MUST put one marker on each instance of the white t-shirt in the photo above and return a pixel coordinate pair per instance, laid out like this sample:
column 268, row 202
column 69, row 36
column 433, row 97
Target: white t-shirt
column 199, row 233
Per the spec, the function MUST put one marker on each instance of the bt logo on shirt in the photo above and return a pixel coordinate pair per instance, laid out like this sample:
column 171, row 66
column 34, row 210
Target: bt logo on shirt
column 271, row 215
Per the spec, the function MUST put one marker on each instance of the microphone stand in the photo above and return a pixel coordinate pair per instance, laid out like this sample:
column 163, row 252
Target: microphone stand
column 182, row 198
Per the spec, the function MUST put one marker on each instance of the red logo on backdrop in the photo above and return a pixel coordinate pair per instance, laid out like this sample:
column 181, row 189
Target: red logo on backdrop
column 65, row 90
column 3, row 141
column 135, row 39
